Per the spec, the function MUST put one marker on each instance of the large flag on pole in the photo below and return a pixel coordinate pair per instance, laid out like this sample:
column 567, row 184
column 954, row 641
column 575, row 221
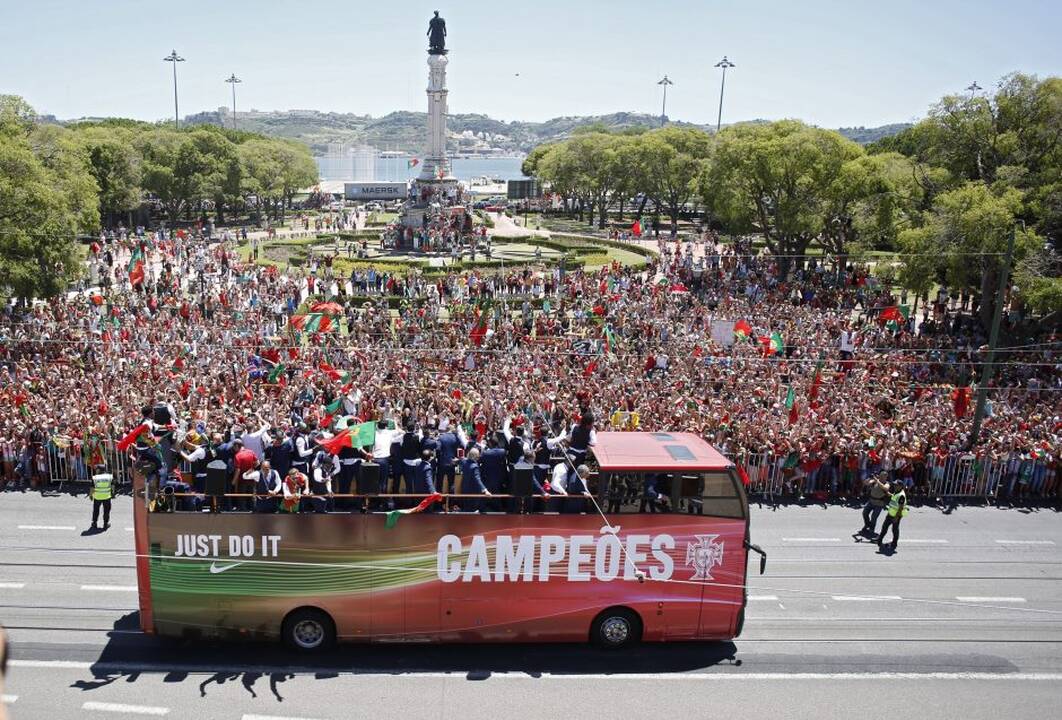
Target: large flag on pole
column 136, row 267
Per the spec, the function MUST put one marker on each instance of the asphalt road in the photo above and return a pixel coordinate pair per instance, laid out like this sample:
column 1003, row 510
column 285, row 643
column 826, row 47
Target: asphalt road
column 965, row 621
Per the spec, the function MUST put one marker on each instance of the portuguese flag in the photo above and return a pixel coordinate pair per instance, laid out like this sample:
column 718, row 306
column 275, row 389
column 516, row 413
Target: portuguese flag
column 742, row 330
column 816, row 382
column 479, row 330
column 312, row 322
column 136, row 268
column 891, row 317
column 611, row 343
column 773, row 345
column 357, row 436
column 126, row 442
column 392, row 517
column 275, row 373
column 791, row 405
column 333, row 407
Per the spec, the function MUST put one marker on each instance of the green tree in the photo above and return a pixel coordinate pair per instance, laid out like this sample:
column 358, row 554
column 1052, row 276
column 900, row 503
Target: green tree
column 115, row 164
column 774, row 179
column 672, row 159
column 47, row 196
column 965, row 238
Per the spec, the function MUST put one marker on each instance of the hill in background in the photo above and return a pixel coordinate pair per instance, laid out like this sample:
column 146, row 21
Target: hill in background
column 468, row 133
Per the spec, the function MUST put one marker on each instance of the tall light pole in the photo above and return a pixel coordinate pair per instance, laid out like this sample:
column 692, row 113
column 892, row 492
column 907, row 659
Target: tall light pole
column 974, row 89
column 726, row 65
column 663, row 108
column 232, row 80
column 174, row 58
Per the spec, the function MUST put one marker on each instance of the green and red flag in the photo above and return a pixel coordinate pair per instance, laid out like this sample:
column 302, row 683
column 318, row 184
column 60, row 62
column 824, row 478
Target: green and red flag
column 333, row 407
column 312, row 322
column 742, row 330
column 276, row 372
column 359, row 435
column 893, row 317
column 773, row 344
column 479, row 330
column 816, row 381
column 611, row 342
column 392, row 517
column 126, row 442
column 178, row 362
column 136, row 267
column 791, row 405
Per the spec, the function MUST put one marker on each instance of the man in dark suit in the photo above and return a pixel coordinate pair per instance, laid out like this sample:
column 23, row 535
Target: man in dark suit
column 472, row 481
column 495, row 469
column 449, row 442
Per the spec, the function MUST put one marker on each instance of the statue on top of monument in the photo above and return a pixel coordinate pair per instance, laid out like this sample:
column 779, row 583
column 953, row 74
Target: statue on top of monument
column 437, row 35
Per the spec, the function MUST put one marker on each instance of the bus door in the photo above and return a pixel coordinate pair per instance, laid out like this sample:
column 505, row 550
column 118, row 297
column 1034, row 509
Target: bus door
column 716, row 554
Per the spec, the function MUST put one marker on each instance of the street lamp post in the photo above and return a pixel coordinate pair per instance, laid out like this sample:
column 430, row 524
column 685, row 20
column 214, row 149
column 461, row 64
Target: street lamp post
column 725, row 64
column 974, row 89
column 232, row 80
column 663, row 108
column 174, row 58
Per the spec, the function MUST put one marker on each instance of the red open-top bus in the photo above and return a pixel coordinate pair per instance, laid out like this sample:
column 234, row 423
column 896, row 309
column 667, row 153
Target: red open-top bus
column 666, row 561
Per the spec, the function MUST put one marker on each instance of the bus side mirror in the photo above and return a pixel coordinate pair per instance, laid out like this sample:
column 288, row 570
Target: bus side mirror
column 762, row 554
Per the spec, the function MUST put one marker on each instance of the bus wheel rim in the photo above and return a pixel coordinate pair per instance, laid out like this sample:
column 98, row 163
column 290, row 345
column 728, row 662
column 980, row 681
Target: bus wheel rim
column 616, row 630
column 308, row 633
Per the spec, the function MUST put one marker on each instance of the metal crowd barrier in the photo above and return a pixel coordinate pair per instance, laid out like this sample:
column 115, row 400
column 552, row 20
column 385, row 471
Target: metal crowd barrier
column 66, row 461
column 954, row 476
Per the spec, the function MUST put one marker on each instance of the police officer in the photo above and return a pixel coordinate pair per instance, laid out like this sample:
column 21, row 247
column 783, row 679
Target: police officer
column 897, row 509
column 102, row 492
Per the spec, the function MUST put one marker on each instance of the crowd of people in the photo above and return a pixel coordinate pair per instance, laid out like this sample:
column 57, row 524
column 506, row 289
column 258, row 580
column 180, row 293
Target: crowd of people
column 817, row 373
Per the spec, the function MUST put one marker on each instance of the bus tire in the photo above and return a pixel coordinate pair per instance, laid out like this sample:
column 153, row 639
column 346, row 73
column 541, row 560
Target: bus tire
column 616, row 628
column 308, row 630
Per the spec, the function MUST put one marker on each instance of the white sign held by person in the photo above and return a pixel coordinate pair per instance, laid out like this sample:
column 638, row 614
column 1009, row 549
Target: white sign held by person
column 723, row 332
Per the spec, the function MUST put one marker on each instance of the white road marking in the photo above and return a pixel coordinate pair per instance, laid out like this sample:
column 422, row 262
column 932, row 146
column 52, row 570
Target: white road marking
column 8, row 698
column 846, row 598
column 773, row 598
column 1026, row 542
column 46, row 527
column 812, row 540
column 11, row 586
column 156, row 667
column 110, row 588
column 980, row 599
column 129, row 529
column 122, row 708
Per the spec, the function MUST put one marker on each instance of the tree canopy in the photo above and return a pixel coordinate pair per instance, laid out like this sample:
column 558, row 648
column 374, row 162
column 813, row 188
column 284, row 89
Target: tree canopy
column 57, row 182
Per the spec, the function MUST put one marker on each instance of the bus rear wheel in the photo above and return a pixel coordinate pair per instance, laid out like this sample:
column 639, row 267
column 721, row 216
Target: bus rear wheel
column 308, row 630
column 616, row 628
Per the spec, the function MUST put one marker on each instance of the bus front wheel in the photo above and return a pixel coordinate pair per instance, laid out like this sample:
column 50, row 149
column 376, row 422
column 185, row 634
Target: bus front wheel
column 616, row 628
column 308, row 630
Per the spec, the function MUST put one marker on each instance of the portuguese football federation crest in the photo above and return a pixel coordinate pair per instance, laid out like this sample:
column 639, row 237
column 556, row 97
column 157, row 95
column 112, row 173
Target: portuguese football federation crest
column 703, row 556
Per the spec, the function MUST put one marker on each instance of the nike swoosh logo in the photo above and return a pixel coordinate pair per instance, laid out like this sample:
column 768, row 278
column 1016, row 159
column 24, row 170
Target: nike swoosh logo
column 215, row 568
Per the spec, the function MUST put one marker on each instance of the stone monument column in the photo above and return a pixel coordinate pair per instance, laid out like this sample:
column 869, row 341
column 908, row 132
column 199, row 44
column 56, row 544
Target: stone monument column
column 436, row 165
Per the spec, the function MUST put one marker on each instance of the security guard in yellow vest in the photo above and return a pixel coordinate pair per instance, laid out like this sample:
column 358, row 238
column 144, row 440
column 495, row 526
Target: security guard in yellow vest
column 896, row 509
column 102, row 491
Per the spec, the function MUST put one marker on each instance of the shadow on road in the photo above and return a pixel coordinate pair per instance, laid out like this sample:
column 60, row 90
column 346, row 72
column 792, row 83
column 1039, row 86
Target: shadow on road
column 127, row 657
